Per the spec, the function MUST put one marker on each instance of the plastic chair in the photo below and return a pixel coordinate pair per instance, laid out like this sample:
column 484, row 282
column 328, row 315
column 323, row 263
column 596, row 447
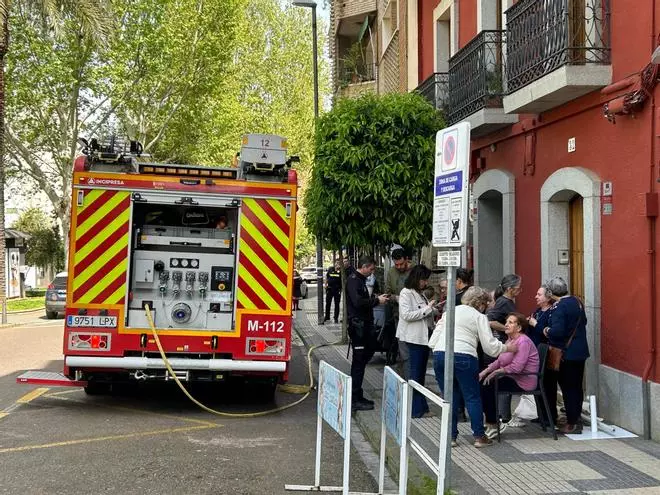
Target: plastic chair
column 540, row 390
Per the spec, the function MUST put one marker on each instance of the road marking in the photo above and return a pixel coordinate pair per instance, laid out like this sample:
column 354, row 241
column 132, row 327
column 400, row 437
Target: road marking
column 30, row 396
column 58, row 396
column 106, row 438
column 3, row 414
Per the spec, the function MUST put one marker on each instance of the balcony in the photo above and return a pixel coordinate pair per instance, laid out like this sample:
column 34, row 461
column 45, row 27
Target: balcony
column 436, row 90
column 354, row 81
column 557, row 50
column 351, row 14
column 477, row 85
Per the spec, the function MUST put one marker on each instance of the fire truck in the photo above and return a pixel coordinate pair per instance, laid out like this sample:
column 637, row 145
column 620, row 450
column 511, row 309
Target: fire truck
column 209, row 250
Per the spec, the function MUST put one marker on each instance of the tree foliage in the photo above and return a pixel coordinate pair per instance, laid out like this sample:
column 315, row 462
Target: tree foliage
column 373, row 175
column 45, row 248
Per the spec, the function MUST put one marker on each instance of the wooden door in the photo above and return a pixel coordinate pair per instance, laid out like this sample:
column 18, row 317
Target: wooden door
column 576, row 234
column 577, row 34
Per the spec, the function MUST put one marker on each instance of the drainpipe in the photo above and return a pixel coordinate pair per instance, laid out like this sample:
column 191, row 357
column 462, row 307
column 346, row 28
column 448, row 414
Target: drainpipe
column 651, row 214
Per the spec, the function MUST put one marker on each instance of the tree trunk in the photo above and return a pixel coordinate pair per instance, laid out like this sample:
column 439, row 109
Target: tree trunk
column 4, row 39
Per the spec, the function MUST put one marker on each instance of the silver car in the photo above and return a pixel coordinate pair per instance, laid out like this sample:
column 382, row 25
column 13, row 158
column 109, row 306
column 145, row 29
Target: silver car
column 56, row 296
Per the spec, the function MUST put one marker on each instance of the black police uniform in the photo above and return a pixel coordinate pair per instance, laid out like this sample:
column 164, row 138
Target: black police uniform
column 360, row 329
column 333, row 292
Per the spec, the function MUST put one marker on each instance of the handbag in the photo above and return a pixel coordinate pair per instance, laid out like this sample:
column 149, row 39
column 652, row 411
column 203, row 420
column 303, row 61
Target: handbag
column 556, row 354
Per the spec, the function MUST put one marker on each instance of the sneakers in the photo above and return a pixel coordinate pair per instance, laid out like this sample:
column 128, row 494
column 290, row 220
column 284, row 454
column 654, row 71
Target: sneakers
column 336, row 321
column 454, row 443
column 491, row 430
column 483, row 441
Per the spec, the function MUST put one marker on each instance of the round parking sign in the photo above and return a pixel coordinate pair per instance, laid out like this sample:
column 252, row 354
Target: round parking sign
column 449, row 151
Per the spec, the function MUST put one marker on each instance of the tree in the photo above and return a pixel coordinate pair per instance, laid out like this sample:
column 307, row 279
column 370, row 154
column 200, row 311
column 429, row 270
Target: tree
column 45, row 248
column 93, row 23
column 373, row 173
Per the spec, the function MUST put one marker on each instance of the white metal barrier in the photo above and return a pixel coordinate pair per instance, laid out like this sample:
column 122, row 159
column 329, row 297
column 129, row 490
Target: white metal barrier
column 442, row 466
column 333, row 407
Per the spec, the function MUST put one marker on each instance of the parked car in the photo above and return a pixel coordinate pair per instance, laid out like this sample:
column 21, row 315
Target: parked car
column 308, row 274
column 56, row 296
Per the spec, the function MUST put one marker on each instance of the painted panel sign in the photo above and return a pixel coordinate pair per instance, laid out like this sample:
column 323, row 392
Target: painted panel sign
column 393, row 406
column 334, row 397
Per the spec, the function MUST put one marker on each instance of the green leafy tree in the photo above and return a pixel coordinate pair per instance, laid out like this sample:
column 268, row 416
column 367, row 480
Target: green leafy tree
column 93, row 22
column 373, row 174
column 45, row 248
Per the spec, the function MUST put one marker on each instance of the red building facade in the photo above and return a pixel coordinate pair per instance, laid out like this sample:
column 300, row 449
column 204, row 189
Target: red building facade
column 561, row 96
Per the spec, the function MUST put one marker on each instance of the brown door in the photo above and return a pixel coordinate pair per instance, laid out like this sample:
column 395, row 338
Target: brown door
column 577, row 35
column 576, row 233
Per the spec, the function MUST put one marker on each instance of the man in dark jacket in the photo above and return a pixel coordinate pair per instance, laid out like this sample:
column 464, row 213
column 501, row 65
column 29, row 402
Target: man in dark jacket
column 333, row 290
column 361, row 327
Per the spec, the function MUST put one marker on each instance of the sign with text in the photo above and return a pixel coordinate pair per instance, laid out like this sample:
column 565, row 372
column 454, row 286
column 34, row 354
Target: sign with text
column 333, row 397
column 449, row 258
column 393, row 411
column 450, row 187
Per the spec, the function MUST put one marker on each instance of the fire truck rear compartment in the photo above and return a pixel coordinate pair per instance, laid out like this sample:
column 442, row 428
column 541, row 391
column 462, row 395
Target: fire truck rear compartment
column 183, row 263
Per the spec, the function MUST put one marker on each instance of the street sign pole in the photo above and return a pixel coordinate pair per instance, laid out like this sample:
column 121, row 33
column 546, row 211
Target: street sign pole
column 450, row 217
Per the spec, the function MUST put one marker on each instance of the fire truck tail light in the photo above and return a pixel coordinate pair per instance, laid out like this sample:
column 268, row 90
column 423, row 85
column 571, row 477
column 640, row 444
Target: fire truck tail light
column 89, row 341
column 265, row 347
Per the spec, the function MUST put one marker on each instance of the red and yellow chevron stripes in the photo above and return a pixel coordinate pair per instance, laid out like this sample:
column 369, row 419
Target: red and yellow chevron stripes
column 263, row 264
column 100, row 248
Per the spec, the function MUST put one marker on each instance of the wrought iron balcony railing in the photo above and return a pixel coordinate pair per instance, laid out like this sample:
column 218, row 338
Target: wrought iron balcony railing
column 476, row 76
column 354, row 75
column 436, row 90
column 543, row 35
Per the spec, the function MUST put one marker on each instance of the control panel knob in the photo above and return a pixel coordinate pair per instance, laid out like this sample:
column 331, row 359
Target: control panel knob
column 159, row 266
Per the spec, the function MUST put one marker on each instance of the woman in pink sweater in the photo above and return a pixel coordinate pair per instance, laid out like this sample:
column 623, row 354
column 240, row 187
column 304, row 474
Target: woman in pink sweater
column 521, row 366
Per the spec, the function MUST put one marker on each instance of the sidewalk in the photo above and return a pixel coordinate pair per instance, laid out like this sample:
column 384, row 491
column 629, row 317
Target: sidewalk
column 527, row 461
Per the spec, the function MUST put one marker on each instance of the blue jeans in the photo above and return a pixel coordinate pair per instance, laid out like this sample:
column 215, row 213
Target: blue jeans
column 419, row 358
column 466, row 382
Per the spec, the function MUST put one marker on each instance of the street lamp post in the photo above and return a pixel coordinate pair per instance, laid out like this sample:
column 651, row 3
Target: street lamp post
column 319, row 247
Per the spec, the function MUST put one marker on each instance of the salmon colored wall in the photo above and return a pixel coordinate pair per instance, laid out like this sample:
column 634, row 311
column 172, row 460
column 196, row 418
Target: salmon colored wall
column 426, row 43
column 618, row 153
column 467, row 21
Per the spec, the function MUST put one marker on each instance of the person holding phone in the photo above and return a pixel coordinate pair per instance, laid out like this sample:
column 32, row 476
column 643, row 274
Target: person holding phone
column 416, row 321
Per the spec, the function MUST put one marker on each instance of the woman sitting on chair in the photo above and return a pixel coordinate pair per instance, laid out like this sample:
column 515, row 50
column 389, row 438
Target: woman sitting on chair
column 522, row 367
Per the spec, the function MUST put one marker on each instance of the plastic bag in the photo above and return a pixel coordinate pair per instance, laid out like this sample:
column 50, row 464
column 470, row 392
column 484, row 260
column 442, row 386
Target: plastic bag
column 526, row 408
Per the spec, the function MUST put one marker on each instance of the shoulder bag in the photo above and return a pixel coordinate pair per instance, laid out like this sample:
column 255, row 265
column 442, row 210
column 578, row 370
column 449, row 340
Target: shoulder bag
column 556, row 354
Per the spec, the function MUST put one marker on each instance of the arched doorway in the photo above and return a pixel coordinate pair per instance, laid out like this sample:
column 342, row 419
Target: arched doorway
column 493, row 230
column 570, row 246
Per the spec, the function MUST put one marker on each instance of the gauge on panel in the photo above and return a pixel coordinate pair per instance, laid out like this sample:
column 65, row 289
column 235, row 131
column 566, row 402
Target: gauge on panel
column 184, row 263
column 174, row 262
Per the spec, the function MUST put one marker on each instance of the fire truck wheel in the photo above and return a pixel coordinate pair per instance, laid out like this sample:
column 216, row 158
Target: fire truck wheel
column 51, row 315
column 96, row 388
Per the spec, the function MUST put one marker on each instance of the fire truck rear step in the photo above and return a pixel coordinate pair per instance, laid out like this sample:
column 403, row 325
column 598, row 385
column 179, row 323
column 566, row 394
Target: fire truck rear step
column 52, row 378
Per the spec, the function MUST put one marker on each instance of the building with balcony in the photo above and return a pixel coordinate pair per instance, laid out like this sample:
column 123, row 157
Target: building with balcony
column 564, row 165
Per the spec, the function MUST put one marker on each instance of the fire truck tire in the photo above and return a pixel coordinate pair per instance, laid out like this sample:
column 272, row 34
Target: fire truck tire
column 97, row 388
column 51, row 315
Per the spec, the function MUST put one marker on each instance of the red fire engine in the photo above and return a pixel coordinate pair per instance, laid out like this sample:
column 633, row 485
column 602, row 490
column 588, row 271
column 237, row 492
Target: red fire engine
column 209, row 250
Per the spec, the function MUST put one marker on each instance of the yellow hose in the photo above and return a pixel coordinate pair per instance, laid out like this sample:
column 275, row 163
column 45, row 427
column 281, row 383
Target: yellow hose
column 294, row 389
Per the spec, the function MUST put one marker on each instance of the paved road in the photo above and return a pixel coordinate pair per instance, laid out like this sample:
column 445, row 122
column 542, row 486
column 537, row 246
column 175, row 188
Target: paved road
column 151, row 440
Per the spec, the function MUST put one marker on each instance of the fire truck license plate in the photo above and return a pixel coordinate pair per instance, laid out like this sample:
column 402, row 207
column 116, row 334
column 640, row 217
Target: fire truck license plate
column 91, row 321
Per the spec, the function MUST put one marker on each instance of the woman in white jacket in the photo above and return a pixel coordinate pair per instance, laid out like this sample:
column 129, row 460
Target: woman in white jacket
column 470, row 328
column 415, row 322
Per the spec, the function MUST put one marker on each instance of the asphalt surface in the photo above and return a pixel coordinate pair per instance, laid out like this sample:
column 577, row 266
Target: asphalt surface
column 152, row 439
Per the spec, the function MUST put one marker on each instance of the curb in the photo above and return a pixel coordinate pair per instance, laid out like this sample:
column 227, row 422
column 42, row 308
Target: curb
column 26, row 311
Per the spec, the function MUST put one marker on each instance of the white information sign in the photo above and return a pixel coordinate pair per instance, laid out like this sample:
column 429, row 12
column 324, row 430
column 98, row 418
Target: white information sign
column 393, row 406
column 449, row 258
column 450, row 187
column 333, row 398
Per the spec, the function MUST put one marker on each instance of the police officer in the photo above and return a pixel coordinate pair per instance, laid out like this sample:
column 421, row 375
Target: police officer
column 361, row 327
column 333, row 290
